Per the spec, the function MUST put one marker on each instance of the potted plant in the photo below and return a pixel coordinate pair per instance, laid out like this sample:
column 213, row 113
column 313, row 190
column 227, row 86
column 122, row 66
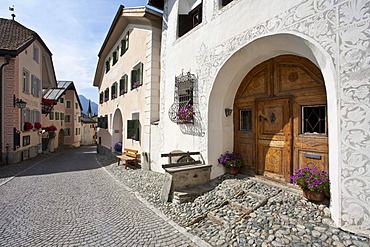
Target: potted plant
column 314, row 182
column 232, row 162
column 27, row 126
column 118, row 147
column 185, row 114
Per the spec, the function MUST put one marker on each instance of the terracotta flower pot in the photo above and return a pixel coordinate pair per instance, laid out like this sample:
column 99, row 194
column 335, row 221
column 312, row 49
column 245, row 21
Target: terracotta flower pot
column 232, row 170
column 313, row 196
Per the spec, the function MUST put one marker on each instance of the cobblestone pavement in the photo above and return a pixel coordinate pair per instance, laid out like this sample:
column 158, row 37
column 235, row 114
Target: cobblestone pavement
column 67, row 199
column 242, row 211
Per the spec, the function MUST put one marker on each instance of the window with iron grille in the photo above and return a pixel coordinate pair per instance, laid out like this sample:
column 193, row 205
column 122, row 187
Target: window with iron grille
column 314, row 119
column 182, row 110
column 245, row 117
column 123, row 84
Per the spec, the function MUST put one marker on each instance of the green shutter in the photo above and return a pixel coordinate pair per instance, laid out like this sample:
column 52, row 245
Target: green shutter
column 127, row 40
column 133, row 78
column 126, row 82
column 130, row 128
column 140, row 72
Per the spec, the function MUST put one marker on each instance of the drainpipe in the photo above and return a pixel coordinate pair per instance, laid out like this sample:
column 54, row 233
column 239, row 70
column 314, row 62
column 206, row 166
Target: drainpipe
column 7, row 59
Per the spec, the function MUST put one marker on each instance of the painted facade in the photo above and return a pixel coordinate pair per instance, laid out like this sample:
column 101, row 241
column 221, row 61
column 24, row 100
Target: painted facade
column 127, row 76
column 227, row 42
column 30, row 69
column 65, row 116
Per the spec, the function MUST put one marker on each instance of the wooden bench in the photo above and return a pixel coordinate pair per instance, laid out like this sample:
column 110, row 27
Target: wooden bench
column 130, row 155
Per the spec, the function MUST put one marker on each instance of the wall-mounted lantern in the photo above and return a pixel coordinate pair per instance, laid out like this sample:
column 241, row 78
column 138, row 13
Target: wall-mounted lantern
column 19, row 103
column 228, row 112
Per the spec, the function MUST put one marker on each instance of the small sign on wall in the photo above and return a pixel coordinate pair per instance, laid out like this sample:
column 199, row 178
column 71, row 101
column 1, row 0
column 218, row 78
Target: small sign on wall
column 116, row 131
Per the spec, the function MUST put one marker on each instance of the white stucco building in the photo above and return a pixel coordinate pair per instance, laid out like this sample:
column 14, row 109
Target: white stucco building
column 296, row 75
column 127, row 76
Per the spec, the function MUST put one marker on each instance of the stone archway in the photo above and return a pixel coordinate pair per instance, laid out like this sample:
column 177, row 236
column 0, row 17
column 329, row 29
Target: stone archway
column 230, row 72
column 117, row 128
column 280, row 117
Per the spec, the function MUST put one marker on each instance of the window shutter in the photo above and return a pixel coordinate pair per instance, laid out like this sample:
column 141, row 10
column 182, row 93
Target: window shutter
column 130, row 128
column 126, row 83
column 140, row 72
column 38, row 90
column 133, row 78
column 32, row 84
column 127, row 41
column 121, row 86
column 137, row 129
column 123, row 46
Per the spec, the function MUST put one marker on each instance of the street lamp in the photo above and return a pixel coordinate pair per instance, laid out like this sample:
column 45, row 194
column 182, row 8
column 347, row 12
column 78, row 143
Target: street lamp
column 19, row 102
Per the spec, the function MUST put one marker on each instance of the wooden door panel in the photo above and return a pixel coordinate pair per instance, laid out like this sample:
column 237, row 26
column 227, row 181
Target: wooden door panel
column 271, row 120
column 313, row 159
column 247, row 150
column 274, row 138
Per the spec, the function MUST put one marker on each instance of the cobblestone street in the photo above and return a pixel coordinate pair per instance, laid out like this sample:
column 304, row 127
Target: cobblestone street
column 67, row 199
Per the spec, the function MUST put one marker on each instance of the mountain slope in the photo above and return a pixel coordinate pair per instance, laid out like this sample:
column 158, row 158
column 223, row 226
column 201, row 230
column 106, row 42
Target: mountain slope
column 85, row 105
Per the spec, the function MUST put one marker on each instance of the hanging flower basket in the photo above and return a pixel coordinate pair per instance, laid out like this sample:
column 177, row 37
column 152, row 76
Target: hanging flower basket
column 47, row 105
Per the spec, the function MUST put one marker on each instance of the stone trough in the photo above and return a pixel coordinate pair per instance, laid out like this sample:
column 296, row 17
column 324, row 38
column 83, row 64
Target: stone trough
column 186, row 178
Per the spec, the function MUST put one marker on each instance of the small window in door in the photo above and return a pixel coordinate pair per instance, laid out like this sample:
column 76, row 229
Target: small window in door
column 245, row 120
column 314, row 119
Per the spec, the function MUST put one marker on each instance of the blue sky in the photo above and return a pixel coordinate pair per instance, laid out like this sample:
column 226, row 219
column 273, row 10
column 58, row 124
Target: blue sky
column 74, row 31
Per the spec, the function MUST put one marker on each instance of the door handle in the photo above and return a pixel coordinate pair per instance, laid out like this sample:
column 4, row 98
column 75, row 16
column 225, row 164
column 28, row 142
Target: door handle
column 262, row 117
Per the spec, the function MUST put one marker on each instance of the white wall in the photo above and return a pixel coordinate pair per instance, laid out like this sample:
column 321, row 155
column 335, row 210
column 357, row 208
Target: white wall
column 232, row 40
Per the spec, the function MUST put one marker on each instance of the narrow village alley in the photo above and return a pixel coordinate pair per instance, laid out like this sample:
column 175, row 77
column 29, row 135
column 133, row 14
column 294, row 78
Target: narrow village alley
column 67, row 199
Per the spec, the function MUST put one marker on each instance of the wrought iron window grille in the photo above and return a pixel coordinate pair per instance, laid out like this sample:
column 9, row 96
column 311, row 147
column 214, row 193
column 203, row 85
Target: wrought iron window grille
column 182, row 110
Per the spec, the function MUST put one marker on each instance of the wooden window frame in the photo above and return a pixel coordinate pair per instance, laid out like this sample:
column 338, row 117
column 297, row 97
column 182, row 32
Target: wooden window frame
column 303, row 131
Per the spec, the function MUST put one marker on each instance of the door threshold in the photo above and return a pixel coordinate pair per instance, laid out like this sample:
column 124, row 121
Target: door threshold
column 276, row 182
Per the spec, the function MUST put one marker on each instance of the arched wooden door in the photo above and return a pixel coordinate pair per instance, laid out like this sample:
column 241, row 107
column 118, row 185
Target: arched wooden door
column 280, row 120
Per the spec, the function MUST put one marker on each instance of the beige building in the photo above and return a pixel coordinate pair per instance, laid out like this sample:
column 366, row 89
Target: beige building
column 65, row 115
column 88, row 128
column 26, row 68
column 127, row 76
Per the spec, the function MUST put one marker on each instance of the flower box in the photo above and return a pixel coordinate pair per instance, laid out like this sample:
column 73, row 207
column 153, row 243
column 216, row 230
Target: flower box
column 185, row 114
